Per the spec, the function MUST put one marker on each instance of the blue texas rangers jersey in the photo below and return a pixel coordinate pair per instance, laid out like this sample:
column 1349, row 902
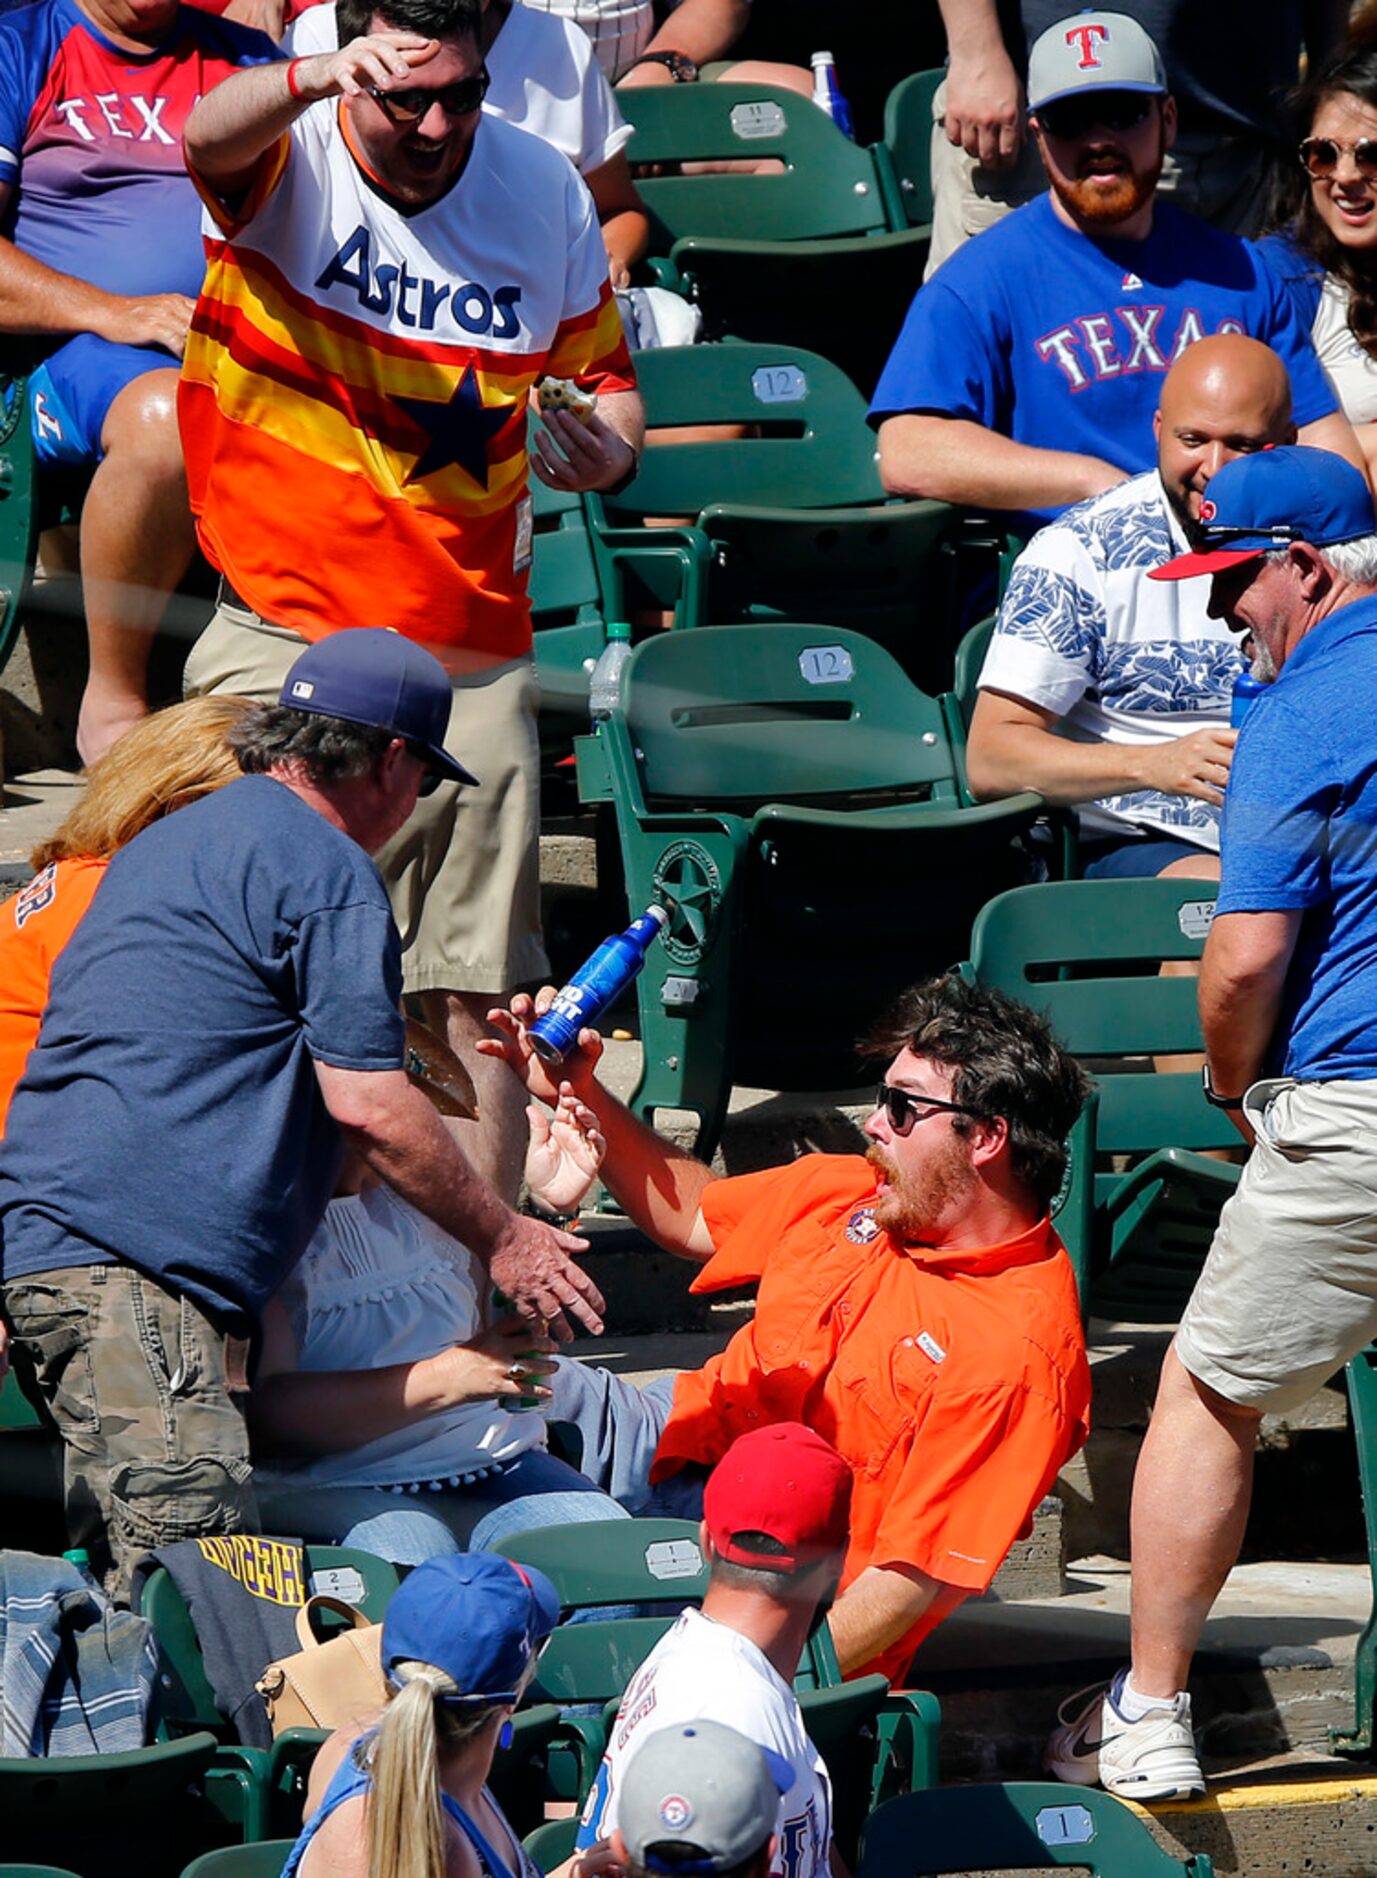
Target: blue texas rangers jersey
column 1038, row 332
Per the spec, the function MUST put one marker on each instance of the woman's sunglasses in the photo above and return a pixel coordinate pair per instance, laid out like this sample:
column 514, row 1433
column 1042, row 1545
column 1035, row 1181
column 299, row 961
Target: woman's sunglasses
column 1320, row 156
column 1069, row 118
column 461, row 99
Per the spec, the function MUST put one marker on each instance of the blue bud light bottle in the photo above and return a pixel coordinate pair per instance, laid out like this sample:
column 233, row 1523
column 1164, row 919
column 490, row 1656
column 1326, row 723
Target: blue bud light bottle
column 600, row 981
column 828, row 95
column 1246, row 688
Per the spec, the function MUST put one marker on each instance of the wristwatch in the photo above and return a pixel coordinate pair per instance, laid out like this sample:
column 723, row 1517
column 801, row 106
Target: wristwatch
column 1212, row 1095
column 682, row 69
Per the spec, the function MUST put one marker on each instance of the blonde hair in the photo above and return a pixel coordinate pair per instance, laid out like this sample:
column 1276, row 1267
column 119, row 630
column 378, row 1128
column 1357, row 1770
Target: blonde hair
column 164, row 762
column 406, row 1821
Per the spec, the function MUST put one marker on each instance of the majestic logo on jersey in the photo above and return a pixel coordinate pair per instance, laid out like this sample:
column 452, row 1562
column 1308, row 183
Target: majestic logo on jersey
column 459, row 431
column 1130, row 284
column 415, row 301
column 1088, row 34
column 862, row 1227
column 1128, row 339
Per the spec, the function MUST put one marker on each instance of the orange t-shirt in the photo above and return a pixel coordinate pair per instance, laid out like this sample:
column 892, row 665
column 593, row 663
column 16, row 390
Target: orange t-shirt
column 34, row 927
column 954, row 1383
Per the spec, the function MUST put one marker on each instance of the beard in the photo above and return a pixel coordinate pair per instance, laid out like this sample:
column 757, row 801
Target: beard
column 1098, row 202
column 918, row 1202
column 1263, row 666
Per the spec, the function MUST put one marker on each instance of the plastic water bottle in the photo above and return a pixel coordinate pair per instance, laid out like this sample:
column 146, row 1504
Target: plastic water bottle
column 828, row 95
column 605, row 680
column 1246, row 688
column 600, row 981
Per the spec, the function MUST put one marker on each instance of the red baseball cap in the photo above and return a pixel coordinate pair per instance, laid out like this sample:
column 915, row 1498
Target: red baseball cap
column 780, row 1498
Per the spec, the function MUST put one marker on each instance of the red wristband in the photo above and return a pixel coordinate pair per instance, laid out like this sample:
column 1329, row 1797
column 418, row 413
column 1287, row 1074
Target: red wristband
column 291, row 80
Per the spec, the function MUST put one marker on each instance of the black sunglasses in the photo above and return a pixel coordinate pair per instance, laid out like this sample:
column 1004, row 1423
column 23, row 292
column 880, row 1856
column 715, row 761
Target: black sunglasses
column 431, row 778
column 1070, row 118
column 1320, row 156
column 902, row 1108
column 460, row 99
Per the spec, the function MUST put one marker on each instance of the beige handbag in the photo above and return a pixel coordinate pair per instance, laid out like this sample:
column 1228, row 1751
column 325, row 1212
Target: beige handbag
column 332, row 1684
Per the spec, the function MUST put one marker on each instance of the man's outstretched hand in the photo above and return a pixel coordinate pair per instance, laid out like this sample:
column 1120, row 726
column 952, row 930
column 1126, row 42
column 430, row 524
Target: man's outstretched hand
column 533, row 1266
column 542, row 1080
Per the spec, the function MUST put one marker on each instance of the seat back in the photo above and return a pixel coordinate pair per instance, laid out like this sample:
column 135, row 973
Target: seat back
column 820, row 184
column 1028, row 1826
column 746, row 715
column 616, row 1561
column 908, row 148
column 593, row 1662
column 809, row 447
column 264, row 1860
column 1086, row 954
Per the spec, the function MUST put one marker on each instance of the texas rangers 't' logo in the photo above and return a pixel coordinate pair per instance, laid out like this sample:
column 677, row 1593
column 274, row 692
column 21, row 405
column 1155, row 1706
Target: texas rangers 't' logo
column 1090, row 60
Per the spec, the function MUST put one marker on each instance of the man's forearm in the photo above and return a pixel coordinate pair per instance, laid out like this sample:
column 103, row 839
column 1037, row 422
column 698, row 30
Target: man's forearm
column 244, row 115
column 972, row 28
column 1007, row 758
column 702, row 29
column 952, row 459
column 35, row 298
column 625, row 412
column 324, row 1412
column 1242, row 981
column 880, row 1607
column 658, row 1185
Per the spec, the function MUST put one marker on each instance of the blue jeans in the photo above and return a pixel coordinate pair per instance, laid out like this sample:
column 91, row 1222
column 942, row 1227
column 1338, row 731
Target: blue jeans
column 534, row 1490
column 620, row 1426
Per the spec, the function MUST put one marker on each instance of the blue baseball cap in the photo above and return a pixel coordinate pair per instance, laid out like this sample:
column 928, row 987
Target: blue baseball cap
column 1270, row 499
column 372, row 675
column 478, row 1616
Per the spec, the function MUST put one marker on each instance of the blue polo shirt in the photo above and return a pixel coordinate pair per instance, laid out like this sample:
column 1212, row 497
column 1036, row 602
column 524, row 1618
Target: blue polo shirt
column 1300, row 833
column 169, row 1117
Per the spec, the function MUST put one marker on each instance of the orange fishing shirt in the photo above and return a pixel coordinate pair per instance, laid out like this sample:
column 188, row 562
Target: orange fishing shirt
column 954, row 1383
column 34, row 927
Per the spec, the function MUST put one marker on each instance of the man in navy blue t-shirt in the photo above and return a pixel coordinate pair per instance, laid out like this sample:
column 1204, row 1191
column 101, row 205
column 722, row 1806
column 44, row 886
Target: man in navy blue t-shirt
column 224, row 1021
column 1288, row 1005
column 1030, row 365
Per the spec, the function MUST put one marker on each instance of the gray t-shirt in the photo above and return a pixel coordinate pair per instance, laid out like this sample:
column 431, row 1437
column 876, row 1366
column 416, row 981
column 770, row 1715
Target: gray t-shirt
column 169, row 1117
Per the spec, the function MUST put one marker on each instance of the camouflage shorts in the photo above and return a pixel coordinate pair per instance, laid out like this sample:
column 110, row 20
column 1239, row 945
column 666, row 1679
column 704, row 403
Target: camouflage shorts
column 154, row 1447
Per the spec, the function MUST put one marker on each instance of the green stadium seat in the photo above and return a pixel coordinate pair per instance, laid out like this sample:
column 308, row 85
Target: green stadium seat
column 1361, row 1378
column 1086, row 953
column 904, row 159
column 264, row 1860
column 789, row 790
column 616, row 1561
column 150, row 1804
column 34, row 1871
column 790, row 520
column 865, row 1760
column 803, row 252
column 549, row 1845
column 1015, row 1828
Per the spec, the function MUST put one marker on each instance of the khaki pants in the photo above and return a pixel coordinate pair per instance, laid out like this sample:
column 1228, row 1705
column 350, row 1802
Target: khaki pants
column 154, row 1448
column 464, row 874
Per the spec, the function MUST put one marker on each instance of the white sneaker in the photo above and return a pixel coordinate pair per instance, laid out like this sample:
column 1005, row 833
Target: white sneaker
column 1151, row 1759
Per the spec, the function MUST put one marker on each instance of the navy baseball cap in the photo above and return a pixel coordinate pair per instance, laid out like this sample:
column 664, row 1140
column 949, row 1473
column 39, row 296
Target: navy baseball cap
column 1270, row 499
column 372, row 675
column 478, row 1616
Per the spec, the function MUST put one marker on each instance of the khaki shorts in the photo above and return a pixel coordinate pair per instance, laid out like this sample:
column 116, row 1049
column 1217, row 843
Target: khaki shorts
column 464, row 874
column 1289, row 1291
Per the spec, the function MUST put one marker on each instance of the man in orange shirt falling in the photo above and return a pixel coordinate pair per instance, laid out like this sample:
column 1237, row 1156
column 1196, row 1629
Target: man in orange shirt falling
column 390, row 271
column 915, row 1308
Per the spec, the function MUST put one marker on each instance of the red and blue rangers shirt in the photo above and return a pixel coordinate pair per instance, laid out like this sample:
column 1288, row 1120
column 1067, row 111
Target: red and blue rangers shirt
column 91, row 143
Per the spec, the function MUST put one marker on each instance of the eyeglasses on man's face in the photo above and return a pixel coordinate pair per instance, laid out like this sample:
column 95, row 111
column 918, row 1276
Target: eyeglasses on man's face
column 1118, row 111
column 409, row 105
